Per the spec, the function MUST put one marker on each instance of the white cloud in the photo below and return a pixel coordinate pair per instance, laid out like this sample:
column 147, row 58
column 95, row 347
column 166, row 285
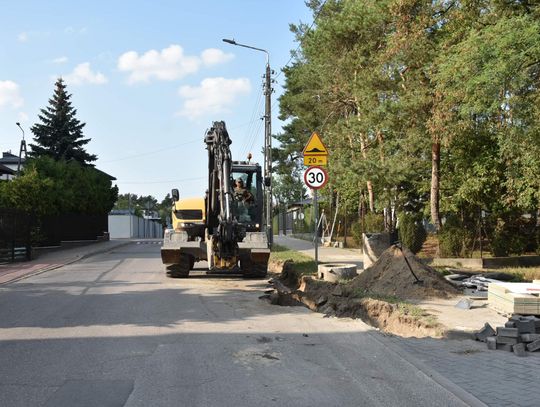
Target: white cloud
column 73, row 30
column 84, row 74
column 169, row 64
column 23, row 117
column 22, row 37
column 10, row 95
column 214, row 56
column 60, row 60
column 213, row 95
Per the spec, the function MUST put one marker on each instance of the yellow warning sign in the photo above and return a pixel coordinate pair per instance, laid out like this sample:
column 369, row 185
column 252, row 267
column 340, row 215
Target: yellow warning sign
column 315, row 146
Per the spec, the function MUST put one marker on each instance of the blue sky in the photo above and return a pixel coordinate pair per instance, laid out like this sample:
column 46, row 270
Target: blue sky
column 147, row 78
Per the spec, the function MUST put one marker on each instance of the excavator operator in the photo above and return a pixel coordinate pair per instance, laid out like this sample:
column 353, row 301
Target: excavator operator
column 241, row 193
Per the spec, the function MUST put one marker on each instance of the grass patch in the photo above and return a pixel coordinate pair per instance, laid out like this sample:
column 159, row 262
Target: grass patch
column 443, row 270
column 301, row 263
column 521, row 274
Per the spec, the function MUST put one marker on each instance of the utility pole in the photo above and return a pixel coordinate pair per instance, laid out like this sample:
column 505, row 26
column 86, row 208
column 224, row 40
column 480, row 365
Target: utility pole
column 267, row 138
column 268, row 149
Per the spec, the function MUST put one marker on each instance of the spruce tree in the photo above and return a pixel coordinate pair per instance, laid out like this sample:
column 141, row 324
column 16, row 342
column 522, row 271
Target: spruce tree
column 59, row 134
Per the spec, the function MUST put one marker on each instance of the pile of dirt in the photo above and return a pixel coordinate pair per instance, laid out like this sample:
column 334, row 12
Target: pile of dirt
column 367, row 296
column 390, row 275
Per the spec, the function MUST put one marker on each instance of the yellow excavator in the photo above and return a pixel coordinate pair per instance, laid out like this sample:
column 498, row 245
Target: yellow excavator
column 225, row 227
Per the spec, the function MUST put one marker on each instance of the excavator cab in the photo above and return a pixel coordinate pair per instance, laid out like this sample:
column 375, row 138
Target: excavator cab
column 248, row 195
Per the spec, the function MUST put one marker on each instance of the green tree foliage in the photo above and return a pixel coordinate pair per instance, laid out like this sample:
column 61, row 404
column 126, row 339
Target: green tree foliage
column 143, row 204
column 59, row 133
column 411, row 232
column 425, row 106
column 48, row 187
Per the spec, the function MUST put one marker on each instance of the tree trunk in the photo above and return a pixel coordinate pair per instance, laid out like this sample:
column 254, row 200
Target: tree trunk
column 345, row 231
column 435, row 183
column 371, row 196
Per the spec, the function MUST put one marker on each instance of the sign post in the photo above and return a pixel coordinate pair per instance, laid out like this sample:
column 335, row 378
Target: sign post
column 316, row 212
column 315, row 177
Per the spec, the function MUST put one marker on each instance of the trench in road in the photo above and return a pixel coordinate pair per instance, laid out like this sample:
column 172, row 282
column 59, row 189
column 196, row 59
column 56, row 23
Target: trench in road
column 116, row 318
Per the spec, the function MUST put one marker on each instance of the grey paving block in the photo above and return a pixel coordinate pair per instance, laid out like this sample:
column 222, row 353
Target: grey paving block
column 510, row 332
column 519, row 349
column 505, row 346
column 507, row 340
column 530, row 337
column 533, row 346
column 526, row 326
column 484, row 333
column 510, row 324
column 491, row 343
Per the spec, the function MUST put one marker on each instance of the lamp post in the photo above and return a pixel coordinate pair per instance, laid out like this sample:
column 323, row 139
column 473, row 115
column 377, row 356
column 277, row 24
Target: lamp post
column 267, row 137
column 23, row 148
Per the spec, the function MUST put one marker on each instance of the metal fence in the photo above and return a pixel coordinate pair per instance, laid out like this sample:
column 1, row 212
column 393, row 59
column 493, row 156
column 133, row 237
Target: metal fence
column 52, row 230
column 15, row 235
column 480, row 237
column 20, row 231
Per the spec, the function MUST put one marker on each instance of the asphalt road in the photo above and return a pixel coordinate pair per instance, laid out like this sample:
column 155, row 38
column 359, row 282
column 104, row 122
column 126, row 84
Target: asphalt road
column 113, row 330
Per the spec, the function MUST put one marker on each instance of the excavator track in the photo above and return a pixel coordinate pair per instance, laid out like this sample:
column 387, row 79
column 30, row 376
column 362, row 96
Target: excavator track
column 252, row 269
column 181, row 269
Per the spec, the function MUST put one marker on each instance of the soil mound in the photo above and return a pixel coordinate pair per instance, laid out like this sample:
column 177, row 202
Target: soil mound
column 390, row 275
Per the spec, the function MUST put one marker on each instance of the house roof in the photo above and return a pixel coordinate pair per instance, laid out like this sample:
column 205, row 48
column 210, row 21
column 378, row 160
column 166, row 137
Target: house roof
column 109, row 176
column 122, row 212
column 6, row 170
column 8, row 158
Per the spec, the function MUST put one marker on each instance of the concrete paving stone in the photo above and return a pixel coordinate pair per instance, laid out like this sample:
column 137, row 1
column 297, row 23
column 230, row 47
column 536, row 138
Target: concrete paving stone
column 530, row 337
column 507, row 340
column 534, row 346
column 509, row 332
column 484, row 333
column 491, row 343
column 526, row 326
column 519, row 350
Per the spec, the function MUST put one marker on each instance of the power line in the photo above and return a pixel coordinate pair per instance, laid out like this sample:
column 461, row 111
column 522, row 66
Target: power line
column 129, row 157
column 253, row 119
column 253, row 130
column 161, row 182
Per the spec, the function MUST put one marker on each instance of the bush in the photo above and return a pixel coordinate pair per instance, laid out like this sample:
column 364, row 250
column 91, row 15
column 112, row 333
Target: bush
column 356, row 232
column 373, row 223
column 412, row 233
column 454, row 242
column 499, row 244
column 48, row 187
column 511, row 236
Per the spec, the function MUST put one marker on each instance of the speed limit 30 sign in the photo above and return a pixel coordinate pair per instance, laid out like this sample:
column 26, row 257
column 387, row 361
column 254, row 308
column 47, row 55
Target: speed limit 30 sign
column 315, row 177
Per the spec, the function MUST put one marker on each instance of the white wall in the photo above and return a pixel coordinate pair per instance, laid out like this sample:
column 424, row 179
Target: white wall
column 120, row 228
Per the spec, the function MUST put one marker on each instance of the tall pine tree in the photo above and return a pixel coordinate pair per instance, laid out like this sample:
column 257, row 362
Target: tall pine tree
column 59, row 134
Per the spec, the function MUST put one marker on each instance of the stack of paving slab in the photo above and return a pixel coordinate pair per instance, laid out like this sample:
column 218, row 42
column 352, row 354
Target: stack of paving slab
column 519, row 335
column 515, row 298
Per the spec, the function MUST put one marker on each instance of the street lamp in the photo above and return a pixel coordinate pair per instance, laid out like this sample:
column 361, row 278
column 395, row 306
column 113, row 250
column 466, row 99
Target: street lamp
column 267, row 136
column 23, row 148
